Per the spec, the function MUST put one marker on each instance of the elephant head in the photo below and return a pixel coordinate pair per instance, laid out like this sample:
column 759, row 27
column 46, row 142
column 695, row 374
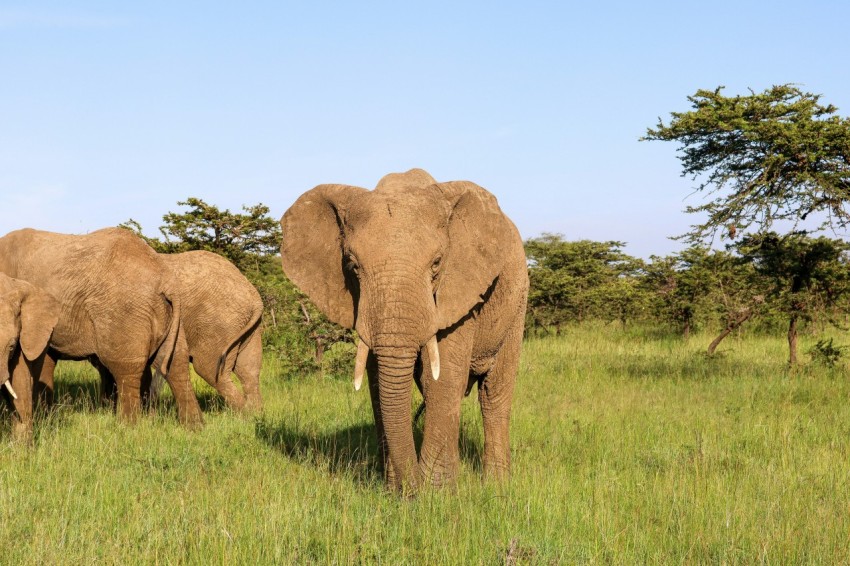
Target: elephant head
column 27, row 317
column 399, row 264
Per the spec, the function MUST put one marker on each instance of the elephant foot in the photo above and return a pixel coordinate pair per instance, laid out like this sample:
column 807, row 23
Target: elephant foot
column 439, row 476
column 254, row 404
column 22, row 433
column 129, row 417
column 193, row 422
column 407, row 487
column 497, row 472
column 236, row 402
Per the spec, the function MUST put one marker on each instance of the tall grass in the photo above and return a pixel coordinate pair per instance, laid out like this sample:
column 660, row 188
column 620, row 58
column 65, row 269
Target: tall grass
column 627, row 448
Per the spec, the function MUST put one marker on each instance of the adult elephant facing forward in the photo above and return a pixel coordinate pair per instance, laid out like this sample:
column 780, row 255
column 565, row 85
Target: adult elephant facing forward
column 422, row 270
column 118, row 306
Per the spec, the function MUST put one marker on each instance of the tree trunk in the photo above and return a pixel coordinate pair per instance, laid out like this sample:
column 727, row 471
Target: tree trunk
column 686, row 331
column 733, row 323
column 792, row 341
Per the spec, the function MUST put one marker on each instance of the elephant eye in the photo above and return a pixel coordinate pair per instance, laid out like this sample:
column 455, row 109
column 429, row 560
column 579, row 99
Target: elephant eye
column 435, row 265
column 353, row 266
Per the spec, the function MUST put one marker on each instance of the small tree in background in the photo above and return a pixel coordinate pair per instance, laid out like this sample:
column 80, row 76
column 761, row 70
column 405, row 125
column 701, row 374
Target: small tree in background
column 679, row 285
column 807, row 275
column 574, row 281
column 699, row 283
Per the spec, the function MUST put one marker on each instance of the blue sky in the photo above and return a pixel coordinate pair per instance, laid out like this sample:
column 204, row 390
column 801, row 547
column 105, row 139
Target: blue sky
column 116, row 110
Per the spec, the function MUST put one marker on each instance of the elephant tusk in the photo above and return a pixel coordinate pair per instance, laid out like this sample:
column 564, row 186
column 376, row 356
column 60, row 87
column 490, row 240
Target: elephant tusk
column 360, row 363
column 8, row 385
column 434, row 356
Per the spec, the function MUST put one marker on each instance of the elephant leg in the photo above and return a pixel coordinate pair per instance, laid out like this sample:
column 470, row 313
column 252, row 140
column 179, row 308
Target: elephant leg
column 439, row 455
column 108, row 389
column 22, row 382
column 128, row 379
column 145, row 387
column 155, row 390
column 225, row 385
column 495, row 395
column 249, row 364
column 43, row 381
column 383, row 451
column 206, row 366
column 188, row 409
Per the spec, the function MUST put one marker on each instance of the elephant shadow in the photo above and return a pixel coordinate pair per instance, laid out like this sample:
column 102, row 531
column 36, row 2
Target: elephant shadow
column 470, row 450
column 349, row 451
column 81, row 396
column 352, row 450
column 210, row 402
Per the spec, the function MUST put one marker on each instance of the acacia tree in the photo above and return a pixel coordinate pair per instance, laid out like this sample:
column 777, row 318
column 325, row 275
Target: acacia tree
column 806, row 274
column 779, row 155
column 776, row 155
column 241, row 238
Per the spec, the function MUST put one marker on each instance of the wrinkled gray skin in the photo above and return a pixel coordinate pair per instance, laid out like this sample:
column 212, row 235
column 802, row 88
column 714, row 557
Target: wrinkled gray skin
column 408, row 261
column 119, row 308
column 27, row 317
column 221, row 327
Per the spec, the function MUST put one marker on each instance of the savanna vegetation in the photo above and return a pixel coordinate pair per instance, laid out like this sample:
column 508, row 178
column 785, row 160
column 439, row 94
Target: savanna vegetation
column 628, row 447
column 680, row 408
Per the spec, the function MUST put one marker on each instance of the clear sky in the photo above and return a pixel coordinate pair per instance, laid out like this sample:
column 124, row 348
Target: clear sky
column 115, row 110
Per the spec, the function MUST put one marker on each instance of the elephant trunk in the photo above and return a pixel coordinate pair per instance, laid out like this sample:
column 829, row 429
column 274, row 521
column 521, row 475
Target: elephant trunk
column 397, row 319
column 395, row 380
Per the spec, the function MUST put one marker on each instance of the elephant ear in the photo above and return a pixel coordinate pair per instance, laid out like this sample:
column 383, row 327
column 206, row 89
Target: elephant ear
column 480, row 239
column 311, row 250
column 39, row 315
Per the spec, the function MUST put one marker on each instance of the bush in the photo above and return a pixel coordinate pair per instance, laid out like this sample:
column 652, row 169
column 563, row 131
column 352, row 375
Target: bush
column 825, row 353
column 338, row 361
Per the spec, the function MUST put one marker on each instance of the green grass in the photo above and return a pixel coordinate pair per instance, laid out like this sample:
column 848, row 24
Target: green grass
column 627, row 449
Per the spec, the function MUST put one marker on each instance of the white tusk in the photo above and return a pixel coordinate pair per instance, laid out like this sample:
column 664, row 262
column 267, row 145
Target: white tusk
column 8, row 385
column 360, row 363
column 434, row 356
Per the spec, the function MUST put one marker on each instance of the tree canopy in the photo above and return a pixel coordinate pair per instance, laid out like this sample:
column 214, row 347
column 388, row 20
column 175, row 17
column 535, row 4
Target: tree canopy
column 238, row 237
column 775, row 155
column 572, row 281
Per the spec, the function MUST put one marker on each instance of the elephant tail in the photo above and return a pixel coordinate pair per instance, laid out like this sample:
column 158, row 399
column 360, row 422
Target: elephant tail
column 419, row 412
column 166, row 349
column 252, row 326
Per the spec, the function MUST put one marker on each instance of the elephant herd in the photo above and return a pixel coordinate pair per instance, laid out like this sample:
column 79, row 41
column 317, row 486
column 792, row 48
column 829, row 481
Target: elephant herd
column 109, row 298
column 432, row 276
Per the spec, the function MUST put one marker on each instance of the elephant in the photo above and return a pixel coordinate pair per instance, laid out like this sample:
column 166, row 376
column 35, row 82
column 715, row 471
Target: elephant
column 221, row 326
column 433, row 277
column 119, row 308
column 27, row 317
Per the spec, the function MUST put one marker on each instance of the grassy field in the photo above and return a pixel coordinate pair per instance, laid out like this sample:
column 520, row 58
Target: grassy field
column 627, row 449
